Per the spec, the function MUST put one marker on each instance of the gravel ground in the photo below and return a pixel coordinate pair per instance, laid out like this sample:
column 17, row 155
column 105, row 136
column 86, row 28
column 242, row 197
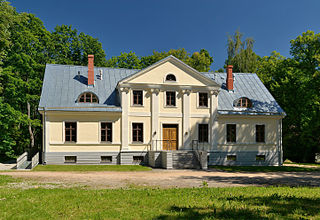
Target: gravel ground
column 170, row 178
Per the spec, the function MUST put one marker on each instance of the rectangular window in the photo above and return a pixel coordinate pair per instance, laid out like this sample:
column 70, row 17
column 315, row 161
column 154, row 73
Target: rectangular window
column 260, row 133
column 106, row 159
column 71, row 131
column 137, row 132
column 231, row 158
column 231, row 133
column 70, row 159
column 203, row 99
column 260, row 157
column 138, row 159
column 203, row 133
column 137, row 97
column 106, row 131
column 171, row 98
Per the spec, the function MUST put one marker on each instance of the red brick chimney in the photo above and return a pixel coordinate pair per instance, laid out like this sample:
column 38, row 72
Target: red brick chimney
column 90, row 70
column 229, row 78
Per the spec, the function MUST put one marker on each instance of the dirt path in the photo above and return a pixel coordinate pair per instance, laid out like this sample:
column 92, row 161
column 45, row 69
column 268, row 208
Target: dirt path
column 171, row 178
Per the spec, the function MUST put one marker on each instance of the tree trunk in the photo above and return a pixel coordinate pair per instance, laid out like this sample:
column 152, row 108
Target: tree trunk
column 30, row 128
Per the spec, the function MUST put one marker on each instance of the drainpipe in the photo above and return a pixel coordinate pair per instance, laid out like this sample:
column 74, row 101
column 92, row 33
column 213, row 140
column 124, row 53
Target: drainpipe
column 44, row 136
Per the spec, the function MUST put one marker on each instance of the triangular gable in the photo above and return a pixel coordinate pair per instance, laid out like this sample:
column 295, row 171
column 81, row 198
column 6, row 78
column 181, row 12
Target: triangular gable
column 176, row 63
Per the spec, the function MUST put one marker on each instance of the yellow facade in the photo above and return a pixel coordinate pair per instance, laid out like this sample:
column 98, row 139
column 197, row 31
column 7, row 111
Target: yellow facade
column 187, row 115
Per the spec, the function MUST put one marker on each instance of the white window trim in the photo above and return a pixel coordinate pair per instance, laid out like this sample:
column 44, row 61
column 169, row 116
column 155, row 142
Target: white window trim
column 64, row 132
column 255, row 133
column 131, row 98
column 199, row 135
column 167, row 81
column 165, row 99
column 198, row 100
column 112, row 129
column 131, row 133
column 226, row 141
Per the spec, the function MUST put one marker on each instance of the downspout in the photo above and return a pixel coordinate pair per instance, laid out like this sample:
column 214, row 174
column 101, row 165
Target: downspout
column 44, row 136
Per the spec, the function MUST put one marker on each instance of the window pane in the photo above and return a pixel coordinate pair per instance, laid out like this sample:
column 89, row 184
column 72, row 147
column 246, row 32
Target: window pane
column 71, row 131
column 260, row 133
column 203, row 99
column 231, row 133
column 137, row 132
column 171, row 98
column 137, row 97
column 203, row 133
column 106, row 131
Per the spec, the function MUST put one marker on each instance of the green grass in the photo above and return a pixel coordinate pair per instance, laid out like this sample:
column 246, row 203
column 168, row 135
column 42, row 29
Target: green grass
column 264, row 169
column 148, row 203
column 309, row 164
column 84, row 168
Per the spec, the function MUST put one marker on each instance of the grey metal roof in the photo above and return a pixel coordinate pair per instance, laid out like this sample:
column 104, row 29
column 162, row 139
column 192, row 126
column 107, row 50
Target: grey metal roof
column 245, row 85
column 62, row 87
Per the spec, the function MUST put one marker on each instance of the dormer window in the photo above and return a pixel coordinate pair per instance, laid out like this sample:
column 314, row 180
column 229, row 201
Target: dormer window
column 243, row 102
column 88, row 97
column 171, row 78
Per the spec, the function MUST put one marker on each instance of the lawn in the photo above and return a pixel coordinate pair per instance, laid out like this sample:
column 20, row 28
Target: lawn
column 264, row 169
column 84, row 168
column 148, row 203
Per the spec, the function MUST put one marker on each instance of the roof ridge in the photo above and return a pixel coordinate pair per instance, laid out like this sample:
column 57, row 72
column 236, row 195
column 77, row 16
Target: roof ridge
column 67, row 65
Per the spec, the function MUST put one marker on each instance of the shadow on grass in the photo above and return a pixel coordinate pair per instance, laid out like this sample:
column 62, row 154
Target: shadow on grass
column 274, row 206
column 280, row 179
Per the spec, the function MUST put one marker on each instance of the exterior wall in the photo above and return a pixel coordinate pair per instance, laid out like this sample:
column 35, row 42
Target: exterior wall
column 153, row 114
column 157, row 76
column 88, row 132
column 145, row 146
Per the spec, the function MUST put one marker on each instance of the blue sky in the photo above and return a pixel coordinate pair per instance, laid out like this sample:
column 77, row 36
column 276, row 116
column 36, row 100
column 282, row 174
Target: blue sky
column 146, row 25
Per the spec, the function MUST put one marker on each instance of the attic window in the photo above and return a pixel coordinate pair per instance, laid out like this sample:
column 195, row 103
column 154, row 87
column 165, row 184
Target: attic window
column 243, row 102
column 171, row 78
column 88, row 97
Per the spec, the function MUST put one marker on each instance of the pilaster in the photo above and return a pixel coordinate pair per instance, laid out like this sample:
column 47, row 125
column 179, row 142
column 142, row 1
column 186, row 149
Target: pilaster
column 124, row 119
column 186, row 119
column 213, row 126
column 155, row 118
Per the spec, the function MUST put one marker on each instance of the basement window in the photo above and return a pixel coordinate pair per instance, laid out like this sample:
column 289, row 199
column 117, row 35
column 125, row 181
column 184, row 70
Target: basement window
column 260, row 157
column 138, row 159
column 231, row 158
column 106, row 159
column 70, row 159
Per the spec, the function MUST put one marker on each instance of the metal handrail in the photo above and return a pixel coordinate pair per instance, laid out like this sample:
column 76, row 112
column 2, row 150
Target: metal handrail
column 155, row 144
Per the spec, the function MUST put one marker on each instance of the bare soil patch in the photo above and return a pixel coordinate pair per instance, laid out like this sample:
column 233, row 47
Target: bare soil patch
column 171, row 178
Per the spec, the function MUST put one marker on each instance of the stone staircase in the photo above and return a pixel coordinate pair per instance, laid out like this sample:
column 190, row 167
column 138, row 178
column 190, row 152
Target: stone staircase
column 183, row 159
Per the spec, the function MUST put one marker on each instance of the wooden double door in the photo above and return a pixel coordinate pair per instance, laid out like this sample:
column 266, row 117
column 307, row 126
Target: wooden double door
column 170, row 137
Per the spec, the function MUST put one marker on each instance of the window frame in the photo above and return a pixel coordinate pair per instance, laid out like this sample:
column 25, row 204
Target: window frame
column 133, row 98
column 206, row 138
column 175, row 99
column 101, row 129
column 132, row 133
column 248, row 103
column 170, row 81
column 65, row 132
column 235, row 133
column 84, row 95
column 257, row 136
column 198, row 100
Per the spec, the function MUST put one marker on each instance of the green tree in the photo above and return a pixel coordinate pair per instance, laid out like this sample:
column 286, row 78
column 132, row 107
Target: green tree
column 72, row 48
column 125, row 60
column 241, row 55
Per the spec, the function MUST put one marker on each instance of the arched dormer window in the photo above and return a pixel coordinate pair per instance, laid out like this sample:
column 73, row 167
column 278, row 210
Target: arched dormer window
column 171, row 78
column 242, row 102
column 88, row 97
